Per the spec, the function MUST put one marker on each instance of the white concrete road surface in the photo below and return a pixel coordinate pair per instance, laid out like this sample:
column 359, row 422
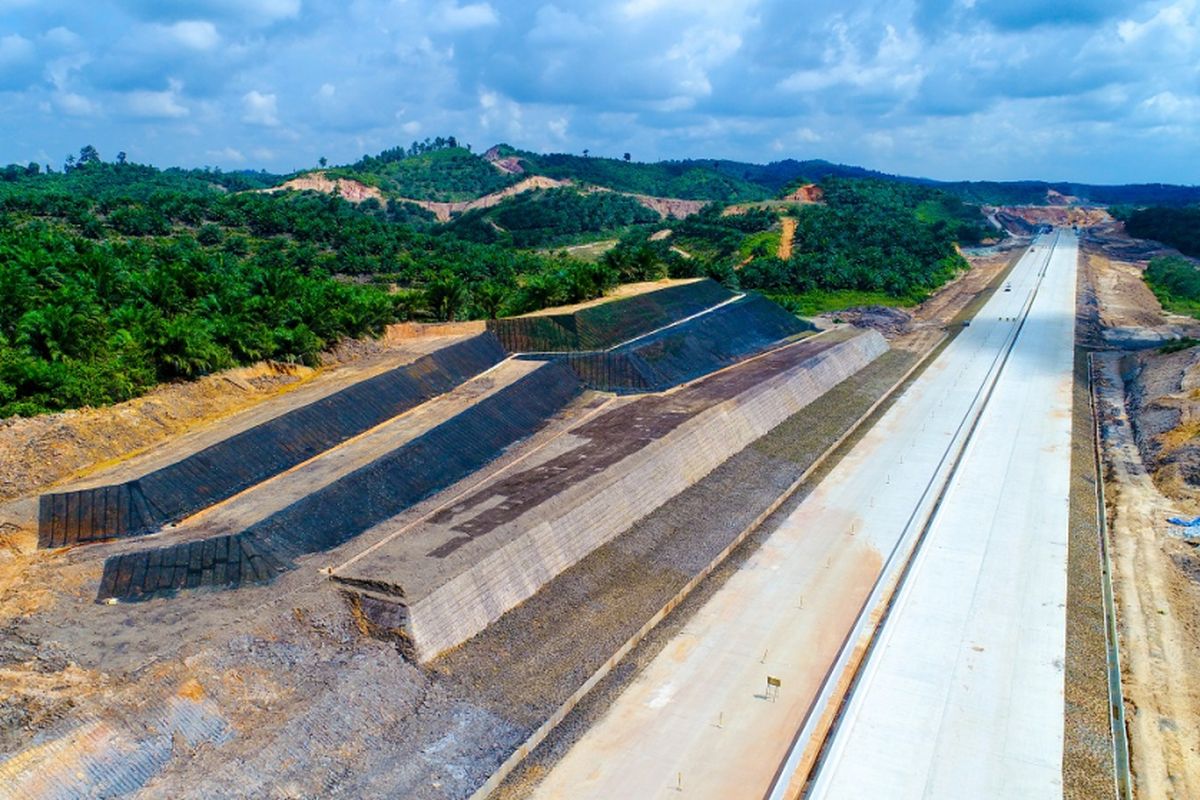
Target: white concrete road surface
column 699, row 721
column 963, row 694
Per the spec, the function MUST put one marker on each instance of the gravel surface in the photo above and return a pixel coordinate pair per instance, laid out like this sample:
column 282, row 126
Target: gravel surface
column 1087, row 749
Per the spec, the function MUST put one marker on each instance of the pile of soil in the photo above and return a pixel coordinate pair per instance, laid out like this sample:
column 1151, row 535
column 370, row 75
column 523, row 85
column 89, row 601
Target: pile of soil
column 891, row 322
column 1164, row 406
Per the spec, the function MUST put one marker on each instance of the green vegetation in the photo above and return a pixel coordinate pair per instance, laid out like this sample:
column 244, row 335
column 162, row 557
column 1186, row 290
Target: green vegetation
column 551, row 217
column 436, row 169
column 686, row 180
column 818, row 301
column 145, row 276
column 870, row 236
column 1177, row 227
column 1178, row 345
column 115, row 276
column 86, row 322
column 1175, row 282
column 871, row 242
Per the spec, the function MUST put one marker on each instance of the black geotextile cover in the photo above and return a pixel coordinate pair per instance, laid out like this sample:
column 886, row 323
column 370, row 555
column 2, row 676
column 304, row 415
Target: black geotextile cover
column 354, row 503
column 607, row 324
column 244, row 459
column 690, row 350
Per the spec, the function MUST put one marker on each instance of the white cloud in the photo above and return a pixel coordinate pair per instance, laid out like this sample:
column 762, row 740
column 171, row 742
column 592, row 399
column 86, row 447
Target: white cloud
column 1169, row 107
column 1176, row 22
column 15, row 48
column 62, row 37
column 555, row 26
column 193, row 34
column 499, row 115
column 260, row 109
column 271, row 9
column 411, row 128
column 157, row 105
column 227, row 155
column 75, row 105
column 896, row 65
column 642, row 8
column 453, row 17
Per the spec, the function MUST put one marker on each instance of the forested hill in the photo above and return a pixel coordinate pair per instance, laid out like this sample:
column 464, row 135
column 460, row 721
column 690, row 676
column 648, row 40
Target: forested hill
column 1177, row 227
column 115, row 276
column 732, row 181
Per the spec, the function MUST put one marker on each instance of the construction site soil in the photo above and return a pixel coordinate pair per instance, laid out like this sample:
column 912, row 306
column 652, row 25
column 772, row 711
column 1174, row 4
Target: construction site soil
column 1146, row 405
column 277, row 691
column 1158, row 601
column 1164, row 404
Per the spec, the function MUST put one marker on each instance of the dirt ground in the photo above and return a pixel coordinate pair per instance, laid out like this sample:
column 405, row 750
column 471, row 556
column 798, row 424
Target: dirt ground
column 1149, row 409
column 1129, row 315
column 354, row 191
column 1058, row 215
column 1158, row 597
column 921, row 328
column 786, row 238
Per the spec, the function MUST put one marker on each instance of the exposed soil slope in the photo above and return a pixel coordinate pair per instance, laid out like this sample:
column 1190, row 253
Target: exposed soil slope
column 809, row 193
column 1164, row 400
column 786, row 237
column 354, row 191
column 443, row 211
column 1022, row 219
column 511, row 165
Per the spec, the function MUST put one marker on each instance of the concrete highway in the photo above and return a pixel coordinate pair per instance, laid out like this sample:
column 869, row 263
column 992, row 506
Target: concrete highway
column 701, row 720
column 963, row 694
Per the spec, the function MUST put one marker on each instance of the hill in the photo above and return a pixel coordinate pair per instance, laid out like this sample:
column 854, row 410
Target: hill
column 435, row 170
column 116, row 276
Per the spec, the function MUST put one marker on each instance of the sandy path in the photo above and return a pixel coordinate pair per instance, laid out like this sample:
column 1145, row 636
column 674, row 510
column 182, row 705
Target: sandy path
column 787, row 237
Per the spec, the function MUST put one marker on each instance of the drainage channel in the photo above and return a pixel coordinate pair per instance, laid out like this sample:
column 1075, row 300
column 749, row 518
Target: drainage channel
column 1122, row 775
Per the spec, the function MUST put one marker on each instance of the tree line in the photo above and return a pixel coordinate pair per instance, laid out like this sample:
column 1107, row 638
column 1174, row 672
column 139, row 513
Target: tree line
column 1177, row 227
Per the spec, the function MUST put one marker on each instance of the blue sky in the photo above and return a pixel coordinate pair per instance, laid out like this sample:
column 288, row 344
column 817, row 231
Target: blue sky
column 1089, row 90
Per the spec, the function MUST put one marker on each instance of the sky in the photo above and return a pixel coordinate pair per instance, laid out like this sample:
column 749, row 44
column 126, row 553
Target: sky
column 1101, row 91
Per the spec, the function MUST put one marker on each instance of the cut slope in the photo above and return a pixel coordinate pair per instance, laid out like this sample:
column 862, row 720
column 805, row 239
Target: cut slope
column 603, row 325
column 349, row 506
column 462, row 568
column 223, row 469
column 684, row 352
column 346, row 188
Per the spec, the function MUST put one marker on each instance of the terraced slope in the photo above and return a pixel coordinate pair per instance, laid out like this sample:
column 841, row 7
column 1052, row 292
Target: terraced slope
column 218, row 472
